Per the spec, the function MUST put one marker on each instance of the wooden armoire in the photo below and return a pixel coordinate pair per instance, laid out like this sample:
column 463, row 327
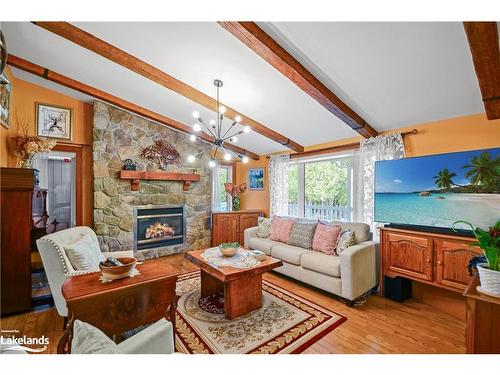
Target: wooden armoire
column 16, row 220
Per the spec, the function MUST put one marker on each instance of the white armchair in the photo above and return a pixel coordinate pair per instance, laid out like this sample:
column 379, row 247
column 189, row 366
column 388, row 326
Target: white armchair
column 57, row 265
column 158, row 338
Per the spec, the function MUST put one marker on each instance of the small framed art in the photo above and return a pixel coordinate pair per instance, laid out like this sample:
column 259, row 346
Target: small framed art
column 256, row 179
column 5, row 95
column 53, row 121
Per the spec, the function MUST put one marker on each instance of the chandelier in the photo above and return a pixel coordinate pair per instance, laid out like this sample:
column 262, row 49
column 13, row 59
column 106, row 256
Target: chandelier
column 220, row 133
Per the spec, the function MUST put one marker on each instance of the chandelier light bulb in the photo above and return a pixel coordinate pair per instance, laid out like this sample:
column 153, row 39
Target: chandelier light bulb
column 196, row 127
column 196, row 114
column 234, row 139
column 211, row 163
column 227, row 156
column 192, row 138
column 237, row 119
column 222, row 109
column 212, row 122
column 191, row 158
column 245, row 159
column 246, row 129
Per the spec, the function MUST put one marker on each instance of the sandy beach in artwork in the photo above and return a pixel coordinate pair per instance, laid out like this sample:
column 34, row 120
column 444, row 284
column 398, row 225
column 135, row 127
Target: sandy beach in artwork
column 491, row 200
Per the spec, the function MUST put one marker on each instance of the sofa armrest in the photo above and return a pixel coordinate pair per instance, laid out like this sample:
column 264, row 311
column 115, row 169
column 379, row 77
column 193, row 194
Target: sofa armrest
column 358, row 269
column 249, row 233
column 158, row 338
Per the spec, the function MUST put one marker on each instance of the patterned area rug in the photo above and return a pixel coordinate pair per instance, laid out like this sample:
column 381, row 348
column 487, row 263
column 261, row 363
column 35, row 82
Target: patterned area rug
column 286, row 322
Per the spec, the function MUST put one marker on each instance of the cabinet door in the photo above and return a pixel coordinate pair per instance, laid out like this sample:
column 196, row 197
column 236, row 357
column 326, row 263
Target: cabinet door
column 247, row 221
column 409, row 255
column 225, row 229
column 452, row 257
column 15, row 251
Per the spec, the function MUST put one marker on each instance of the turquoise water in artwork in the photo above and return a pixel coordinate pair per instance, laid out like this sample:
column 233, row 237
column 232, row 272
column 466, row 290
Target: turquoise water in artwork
column 439, row 209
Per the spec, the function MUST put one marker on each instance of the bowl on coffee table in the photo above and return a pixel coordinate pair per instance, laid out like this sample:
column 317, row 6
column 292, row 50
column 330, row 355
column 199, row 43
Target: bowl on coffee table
column 229, row 249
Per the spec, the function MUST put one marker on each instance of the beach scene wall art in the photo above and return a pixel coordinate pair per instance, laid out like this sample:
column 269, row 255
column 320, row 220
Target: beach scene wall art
column 437, row 190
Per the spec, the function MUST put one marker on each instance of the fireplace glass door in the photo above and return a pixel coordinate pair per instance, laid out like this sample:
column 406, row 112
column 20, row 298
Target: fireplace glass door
column 159, row 227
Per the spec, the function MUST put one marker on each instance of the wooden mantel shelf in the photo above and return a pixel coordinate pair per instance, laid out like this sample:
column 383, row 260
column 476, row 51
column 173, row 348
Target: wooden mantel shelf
column 137, row 176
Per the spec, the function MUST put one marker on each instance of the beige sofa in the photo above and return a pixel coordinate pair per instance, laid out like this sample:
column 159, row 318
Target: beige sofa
column 349, row 275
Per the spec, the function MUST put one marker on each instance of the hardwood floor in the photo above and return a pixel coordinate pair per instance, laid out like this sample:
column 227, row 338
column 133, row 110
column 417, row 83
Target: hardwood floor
column 377, row 326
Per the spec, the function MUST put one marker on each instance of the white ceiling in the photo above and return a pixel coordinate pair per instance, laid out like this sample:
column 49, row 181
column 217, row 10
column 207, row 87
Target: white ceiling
column 392, row 74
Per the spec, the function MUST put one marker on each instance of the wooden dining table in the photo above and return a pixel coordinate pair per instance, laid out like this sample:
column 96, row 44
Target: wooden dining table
column 120, row 305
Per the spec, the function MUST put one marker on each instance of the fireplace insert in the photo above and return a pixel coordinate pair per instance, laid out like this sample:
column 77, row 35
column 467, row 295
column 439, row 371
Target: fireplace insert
column 159, row 226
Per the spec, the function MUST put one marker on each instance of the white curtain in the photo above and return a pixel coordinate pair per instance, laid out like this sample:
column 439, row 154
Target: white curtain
column 215, row 187
column 278, row 184
column 384, row 147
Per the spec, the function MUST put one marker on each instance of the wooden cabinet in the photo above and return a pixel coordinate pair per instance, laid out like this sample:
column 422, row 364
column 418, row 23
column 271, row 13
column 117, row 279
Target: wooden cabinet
column 16, row 194
column 452, row 257
column 248, row 220
column 408, row 255
column 483, row 325
column 230, row 226
column 437, row 259
column 225, row 228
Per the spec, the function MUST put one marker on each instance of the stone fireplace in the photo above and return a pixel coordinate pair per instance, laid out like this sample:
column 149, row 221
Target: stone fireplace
column 158, row 226
column 120, row 135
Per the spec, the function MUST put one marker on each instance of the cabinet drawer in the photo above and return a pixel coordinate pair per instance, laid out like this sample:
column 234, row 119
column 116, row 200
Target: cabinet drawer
column 408, row 255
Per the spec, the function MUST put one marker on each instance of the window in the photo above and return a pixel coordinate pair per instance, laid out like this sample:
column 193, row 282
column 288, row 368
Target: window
column 322, row 188
column 223, row 174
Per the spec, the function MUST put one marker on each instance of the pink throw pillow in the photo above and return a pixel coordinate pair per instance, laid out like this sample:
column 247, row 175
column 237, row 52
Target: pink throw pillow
column 325, row 238
column 281, row 227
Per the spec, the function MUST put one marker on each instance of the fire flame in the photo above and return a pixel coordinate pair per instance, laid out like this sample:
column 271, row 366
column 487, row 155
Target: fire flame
column 159, row 230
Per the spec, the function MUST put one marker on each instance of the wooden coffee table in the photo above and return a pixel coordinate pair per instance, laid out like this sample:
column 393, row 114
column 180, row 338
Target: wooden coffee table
column 242, row 287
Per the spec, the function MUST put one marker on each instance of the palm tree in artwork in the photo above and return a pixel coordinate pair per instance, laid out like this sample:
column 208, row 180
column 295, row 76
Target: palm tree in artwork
column 484, row 171
column 444, row 179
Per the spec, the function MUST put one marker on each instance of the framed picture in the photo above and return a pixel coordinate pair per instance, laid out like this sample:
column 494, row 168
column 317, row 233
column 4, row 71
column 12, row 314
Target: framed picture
column 256, row 179
column 5, row 91
column 53, row 121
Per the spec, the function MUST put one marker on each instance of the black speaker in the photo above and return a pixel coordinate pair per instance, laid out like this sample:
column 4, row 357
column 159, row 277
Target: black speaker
column 398, row 288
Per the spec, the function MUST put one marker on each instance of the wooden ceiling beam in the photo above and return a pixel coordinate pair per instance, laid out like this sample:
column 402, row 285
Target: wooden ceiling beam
column 107, row 50
column 266, row 47
column 485, row 50
column 40, row 71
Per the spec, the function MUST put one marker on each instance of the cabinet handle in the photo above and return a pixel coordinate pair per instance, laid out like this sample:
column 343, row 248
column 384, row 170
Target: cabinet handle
column 428, row 260
column 439, row 262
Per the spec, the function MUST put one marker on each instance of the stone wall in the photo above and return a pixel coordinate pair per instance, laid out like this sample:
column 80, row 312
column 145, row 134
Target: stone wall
column 120, row 135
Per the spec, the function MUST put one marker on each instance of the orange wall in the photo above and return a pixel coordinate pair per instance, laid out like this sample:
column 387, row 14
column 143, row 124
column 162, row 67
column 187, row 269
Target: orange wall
column 24, row 97
column 254, row 199
column 456, row 134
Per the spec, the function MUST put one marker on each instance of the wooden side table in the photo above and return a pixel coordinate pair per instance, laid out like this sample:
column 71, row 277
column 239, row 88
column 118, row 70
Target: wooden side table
column 120, row 305
column 483, row 326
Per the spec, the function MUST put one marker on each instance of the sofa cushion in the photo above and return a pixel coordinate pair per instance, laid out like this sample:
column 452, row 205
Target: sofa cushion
column 325, row 237
column 263, row 227
column 281, row 227
column 361, row 230
column 288, row 253
column 346, row 239
column 84, row 254
column 302, row 234
column 262, row 244
column 322, row 263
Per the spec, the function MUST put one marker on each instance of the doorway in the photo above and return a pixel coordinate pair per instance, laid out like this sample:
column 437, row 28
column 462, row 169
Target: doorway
column 54, row 201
